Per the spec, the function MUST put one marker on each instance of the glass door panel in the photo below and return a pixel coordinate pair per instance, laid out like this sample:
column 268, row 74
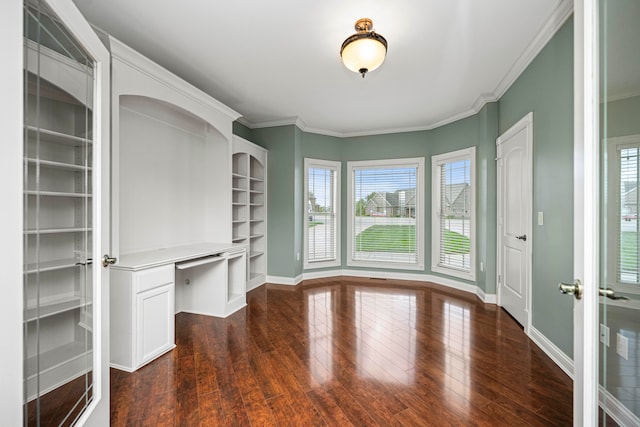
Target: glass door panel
column 58, row 211
column 619, row 356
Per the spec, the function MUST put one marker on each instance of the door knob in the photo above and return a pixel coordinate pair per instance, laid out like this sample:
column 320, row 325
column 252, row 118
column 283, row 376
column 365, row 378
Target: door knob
column 523, row 237
column 574, row 289
column 107, row 260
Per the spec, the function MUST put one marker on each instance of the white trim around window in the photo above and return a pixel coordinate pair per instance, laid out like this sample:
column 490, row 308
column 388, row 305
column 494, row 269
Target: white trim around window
column 322, row 213
column 454, row 214
column 384, row 194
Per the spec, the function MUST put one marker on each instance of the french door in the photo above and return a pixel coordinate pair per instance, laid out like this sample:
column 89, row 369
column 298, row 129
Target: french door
column 607, row 235
column 65, row 228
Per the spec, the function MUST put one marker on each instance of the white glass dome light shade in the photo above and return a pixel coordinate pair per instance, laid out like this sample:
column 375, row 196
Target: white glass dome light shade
column 364, row 51
column 364, row 54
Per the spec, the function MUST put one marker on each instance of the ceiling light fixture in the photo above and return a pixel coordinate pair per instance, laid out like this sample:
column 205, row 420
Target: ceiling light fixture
column 365, row 50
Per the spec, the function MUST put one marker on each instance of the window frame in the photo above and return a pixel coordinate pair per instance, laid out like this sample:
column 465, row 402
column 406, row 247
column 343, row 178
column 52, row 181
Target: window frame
column 436, row 162
column 614, row 214
column 336, row 166
column 418, row 163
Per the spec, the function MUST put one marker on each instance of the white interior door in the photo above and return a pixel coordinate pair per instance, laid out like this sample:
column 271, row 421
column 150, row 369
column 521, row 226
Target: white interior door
column 586, row 213
column 514, row 219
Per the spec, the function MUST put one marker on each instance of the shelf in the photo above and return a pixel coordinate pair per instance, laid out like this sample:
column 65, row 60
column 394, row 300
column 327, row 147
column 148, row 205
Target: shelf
column 238, row 204
column 253, row 178
column 256, row 254
column 238, row 239
column 57, row 137
column 53, row 307
column 256, row 204
column 256, row 236
column 56, row 194
column 58, row 165
column 58, row 230
column 60, row 264
column 257, row 220
column 239, row 189
column 238, row 175
column 57, row 357
column 238, row 221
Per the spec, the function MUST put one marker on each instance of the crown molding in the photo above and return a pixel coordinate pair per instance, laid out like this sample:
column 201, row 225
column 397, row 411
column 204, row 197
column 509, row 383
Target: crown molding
column 556, row 19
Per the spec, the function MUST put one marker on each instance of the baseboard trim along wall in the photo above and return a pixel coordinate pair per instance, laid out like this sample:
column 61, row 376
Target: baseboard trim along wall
column 444, row 281
column 558, row 356
column 616, row 410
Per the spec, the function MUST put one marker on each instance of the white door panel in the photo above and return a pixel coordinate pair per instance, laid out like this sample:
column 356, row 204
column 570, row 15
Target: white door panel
column 514, row 219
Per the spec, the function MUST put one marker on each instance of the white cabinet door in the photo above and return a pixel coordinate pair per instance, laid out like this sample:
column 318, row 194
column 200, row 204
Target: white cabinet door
column 155, row 323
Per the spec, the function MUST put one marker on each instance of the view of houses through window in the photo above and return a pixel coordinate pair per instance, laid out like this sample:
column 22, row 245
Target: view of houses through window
column 453, row 226
column 384, row 226
column 322, row 237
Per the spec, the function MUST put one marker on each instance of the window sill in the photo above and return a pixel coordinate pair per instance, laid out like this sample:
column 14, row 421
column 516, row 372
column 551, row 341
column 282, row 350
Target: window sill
column 466, row 275
column 320, row 264
column 386, row 265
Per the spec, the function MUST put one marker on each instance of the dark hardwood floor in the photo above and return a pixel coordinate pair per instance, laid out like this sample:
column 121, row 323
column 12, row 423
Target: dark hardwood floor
column 348, row 352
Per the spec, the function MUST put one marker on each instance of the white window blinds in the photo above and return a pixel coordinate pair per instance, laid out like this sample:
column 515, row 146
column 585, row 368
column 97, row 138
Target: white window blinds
column 453, row 214
column 322, row 210
column 386, row 203
column 628, row 255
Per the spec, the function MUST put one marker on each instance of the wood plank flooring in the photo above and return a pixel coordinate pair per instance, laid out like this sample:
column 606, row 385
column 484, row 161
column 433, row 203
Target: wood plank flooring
column 348, row 351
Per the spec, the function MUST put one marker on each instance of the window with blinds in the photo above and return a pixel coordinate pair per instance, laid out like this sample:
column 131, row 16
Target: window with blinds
column 322, row 210
column 385, row 215
column 453, row 229
column 628, row 256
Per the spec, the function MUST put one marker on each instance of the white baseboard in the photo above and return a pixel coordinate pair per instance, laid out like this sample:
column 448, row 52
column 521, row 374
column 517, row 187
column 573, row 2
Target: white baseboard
column 280, row 280
column 412, row 276
column 321, row 274
column 616, row 410
column 444, row 281
column 486, row 298
column 558, row 356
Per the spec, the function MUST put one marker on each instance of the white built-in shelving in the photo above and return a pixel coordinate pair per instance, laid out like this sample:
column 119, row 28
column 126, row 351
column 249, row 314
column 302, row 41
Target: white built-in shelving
column 249, row 219
column 58, row 209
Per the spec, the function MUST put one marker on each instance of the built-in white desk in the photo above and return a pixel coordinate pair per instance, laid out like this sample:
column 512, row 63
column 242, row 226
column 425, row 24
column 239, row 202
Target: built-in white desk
column 148, row 288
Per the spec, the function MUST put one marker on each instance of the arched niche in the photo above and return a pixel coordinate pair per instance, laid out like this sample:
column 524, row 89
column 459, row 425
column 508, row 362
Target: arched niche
column 171, row 153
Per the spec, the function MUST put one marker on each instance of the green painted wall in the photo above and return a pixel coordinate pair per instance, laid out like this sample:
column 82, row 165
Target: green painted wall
column 546, row 88
column 281, row 207
column 623, row 117
column 486, row 197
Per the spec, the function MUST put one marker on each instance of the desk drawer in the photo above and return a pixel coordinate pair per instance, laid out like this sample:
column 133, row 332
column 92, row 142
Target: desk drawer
column 154, row 277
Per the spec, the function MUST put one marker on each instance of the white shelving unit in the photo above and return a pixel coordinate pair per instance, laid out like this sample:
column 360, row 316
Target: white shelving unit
column 249, row 206
column 58, row 210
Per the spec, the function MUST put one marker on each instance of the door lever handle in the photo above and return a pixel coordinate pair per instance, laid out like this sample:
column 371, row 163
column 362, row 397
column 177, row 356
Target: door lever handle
column 523, row 237
column 611, row 294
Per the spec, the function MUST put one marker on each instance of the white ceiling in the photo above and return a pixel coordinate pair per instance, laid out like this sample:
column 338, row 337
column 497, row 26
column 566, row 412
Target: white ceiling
column 278, row 62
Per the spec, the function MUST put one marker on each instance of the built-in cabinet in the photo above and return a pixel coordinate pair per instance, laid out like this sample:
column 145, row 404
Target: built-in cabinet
column 249, row 206
column 61, row 225
column 172, row 184
column 144, row 325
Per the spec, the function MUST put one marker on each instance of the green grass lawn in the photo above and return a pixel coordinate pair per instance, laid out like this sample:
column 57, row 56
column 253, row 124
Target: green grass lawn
column 314, row 223
column 387, row 238
column 402, row 239
column 456, row 243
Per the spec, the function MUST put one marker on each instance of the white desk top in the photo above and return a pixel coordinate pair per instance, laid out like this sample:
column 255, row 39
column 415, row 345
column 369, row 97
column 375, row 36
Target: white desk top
column 141, row 260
